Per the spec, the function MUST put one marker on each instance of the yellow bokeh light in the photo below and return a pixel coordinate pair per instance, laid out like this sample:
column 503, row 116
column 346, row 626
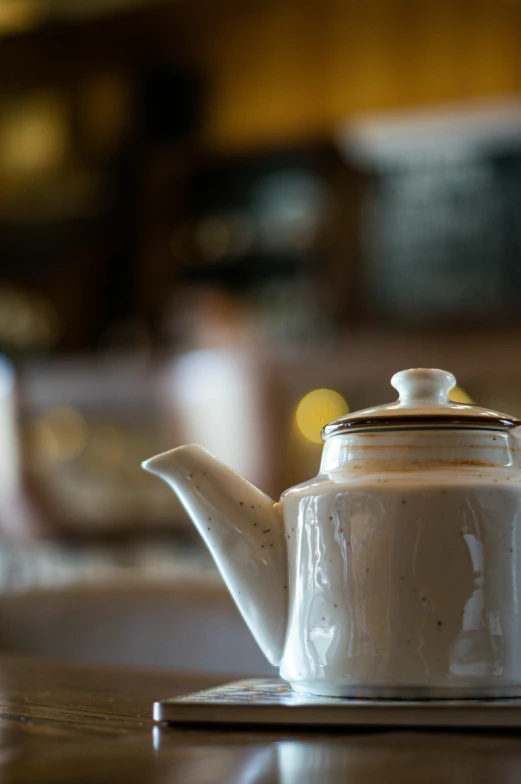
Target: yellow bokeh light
column 34, row 134
column 17, row 16
column 458, row 395
column 316, row 409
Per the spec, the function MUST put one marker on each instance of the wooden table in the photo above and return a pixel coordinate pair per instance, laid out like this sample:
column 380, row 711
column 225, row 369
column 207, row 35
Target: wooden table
column 85, row 723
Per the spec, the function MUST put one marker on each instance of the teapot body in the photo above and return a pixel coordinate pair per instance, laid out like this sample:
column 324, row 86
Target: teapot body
column 404, row 560
column 396, row 572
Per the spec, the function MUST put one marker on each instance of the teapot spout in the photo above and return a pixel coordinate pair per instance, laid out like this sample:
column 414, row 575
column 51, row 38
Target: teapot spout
column 243, row 529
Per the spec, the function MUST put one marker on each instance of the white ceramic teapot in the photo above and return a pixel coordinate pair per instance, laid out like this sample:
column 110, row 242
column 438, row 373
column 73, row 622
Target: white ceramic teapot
column 396, row 572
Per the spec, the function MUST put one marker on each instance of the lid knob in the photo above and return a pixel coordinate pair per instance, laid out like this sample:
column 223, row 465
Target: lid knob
column 425, row 386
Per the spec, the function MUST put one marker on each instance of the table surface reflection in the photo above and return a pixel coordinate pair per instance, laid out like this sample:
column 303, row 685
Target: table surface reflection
column 88, row 723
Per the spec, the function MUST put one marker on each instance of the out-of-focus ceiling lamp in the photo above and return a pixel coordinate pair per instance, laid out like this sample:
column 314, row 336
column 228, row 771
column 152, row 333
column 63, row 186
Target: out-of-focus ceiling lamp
column 34, row 136
column 18, row 16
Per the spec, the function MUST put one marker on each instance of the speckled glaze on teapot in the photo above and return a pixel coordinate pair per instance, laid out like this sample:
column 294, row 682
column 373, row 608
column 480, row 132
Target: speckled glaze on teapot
column 393, row 573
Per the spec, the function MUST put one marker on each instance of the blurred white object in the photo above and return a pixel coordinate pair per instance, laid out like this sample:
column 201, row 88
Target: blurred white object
column 218, row 396
column 466, row 127
column 18, row 516
column 10, row 457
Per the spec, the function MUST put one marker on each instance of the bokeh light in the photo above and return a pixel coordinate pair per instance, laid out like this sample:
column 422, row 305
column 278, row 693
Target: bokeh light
column 458, row 395
column 316, row 409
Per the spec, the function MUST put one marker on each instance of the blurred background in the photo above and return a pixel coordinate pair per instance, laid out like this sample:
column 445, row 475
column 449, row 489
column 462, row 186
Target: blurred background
column 229, row 223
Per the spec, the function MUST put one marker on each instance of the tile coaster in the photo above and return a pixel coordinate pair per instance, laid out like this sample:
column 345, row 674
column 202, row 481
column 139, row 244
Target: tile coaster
column 262, row 701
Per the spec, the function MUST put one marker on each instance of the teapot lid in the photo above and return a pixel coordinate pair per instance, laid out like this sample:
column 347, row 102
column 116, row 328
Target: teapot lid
column 423, row 403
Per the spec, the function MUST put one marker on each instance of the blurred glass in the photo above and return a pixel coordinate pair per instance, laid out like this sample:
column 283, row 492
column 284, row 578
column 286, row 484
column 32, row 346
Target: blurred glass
column 88, row 427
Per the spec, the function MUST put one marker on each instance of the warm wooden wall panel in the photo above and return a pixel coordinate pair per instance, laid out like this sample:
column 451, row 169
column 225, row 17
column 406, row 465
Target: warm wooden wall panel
column 285, row 68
